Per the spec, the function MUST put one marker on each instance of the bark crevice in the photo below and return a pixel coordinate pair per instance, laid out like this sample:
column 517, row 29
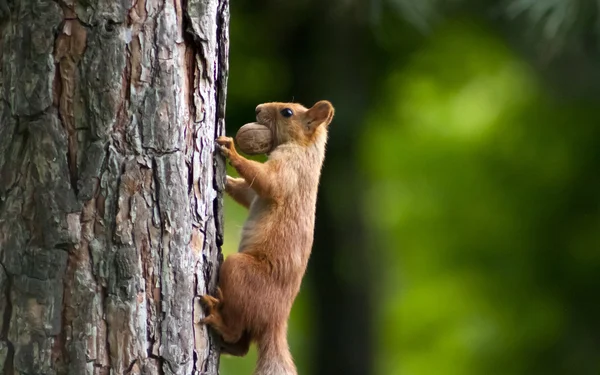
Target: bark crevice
column 7, row 349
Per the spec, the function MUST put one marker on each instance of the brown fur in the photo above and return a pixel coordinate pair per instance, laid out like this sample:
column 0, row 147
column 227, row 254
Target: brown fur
column 258, row 285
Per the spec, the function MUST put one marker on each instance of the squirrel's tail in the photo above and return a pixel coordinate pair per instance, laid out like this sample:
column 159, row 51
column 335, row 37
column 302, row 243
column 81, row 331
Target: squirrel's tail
column 274, row 357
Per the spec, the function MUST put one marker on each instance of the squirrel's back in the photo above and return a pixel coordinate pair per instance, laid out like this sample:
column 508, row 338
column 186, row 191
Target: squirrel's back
column 285, row 227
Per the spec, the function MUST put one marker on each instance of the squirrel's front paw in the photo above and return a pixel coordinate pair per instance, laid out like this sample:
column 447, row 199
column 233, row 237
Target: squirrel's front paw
column 226, row 146
column 232, row 182
column 228, row 182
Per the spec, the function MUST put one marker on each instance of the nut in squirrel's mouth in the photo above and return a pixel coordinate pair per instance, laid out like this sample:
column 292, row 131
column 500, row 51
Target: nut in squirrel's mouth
column 263, row 123
column 260, row 123
column 255, row 138
column 267, row 125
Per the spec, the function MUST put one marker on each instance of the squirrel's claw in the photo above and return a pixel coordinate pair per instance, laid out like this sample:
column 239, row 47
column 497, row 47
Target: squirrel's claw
column 226, row 145
column 207, row 320
column 224, row 150
column 209, row 302
column 223, row 140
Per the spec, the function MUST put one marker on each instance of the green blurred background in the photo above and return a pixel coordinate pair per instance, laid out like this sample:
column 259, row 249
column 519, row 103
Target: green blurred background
column 458, row 221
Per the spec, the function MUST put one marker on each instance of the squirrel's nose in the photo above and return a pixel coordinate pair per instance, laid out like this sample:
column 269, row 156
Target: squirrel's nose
column 257, row 110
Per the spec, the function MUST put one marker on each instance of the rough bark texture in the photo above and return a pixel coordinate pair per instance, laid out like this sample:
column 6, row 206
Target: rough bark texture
column 110, row 190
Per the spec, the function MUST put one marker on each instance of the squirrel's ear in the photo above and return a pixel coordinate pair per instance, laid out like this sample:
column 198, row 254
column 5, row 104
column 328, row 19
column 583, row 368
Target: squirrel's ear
column 320, row 113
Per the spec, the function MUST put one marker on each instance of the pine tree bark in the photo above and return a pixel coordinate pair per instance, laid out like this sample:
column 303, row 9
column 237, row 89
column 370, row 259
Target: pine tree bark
column 110, row 189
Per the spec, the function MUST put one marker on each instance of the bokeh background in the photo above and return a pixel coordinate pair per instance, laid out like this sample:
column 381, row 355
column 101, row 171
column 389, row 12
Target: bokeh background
column 458, row 220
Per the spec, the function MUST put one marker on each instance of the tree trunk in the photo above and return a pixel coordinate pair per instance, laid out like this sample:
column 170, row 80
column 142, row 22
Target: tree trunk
column 110, row 191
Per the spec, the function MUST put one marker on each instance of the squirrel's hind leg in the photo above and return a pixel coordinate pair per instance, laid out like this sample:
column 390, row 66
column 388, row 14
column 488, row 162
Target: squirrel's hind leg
column 214, row 318
column 228, row 333
column 239, row 348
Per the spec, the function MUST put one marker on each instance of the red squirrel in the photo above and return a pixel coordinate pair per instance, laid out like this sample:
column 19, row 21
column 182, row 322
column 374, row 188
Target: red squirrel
column 258, row 285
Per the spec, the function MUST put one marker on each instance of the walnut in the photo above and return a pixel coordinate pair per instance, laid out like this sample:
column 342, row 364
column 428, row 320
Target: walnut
column 254, row 139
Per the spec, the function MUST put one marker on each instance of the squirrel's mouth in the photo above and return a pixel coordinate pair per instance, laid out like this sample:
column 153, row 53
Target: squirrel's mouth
column 263, row 118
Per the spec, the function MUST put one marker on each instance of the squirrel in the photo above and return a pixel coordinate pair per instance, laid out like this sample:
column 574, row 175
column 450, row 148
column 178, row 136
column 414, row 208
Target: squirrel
column 258, row 285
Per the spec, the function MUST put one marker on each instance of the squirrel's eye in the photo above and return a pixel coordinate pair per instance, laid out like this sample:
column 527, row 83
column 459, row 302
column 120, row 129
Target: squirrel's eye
column 287, row 112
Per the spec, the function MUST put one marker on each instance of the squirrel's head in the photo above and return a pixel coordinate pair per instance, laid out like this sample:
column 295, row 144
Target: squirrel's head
column 292, row 122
